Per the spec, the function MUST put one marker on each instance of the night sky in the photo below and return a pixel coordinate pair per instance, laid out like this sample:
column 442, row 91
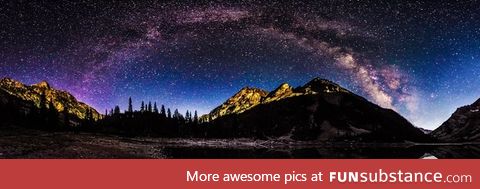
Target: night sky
column 421, row 59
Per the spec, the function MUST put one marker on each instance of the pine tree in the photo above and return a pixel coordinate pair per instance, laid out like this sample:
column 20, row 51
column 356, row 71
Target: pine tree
column 169, row 114
column 43, row 111
column 180, row 116
column 130, row 106
column 187, row 116
column 142, row 107
column 195, row 117
column 89, row 115
column 52, row 115
column 116, row 111
column 175, row 114
column 190, row 117
column 66, row 116
column 149, row 106
column 162, row 111
column 86, row 118
column 155, row 109
column 43, row 105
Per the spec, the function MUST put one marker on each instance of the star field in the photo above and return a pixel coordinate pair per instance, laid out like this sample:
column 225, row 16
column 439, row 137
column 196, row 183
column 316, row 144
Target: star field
column 419, row 58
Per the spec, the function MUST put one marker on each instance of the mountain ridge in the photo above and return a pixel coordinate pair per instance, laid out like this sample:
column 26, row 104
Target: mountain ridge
column 60, row 99
column 256, row 96
column 243, row 100
column 462, row 126
column 320, row 110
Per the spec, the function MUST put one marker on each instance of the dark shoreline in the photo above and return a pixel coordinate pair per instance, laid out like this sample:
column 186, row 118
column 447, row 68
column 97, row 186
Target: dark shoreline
column 29, row 143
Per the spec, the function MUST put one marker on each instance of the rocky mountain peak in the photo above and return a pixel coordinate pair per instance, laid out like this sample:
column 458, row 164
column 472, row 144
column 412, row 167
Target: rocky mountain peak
column 476, row 103
column 43, row 85
column 249, row 90
column 9, row 83
column 463, row 125
column 248, row 97
column 320, row 110
column 282, row 91
column 60, row 100
column 245, row 99
column 319, row 85
column 6, row 80
column 282, row 88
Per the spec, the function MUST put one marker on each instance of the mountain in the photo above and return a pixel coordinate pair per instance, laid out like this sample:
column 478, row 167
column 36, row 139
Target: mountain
column 426, row 131
column 281, row 92
column 249, row 97
column 462, row 126
column 243, row 100
column 319, row 110
column 27, row 97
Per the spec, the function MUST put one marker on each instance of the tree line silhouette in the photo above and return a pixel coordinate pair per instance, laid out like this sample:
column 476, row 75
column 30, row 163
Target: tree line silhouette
column 16, row 112
column 276, row 119
column 149, row 120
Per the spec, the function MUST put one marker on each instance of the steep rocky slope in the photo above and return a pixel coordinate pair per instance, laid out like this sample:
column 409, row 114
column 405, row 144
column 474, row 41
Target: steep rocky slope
column 462, row 126
column 281, row 92
column 320, row 110
column 249, row 97
column 12, row 90
column 245, row 99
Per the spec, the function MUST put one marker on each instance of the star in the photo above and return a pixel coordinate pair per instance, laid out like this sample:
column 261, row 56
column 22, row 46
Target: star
column 418, row 58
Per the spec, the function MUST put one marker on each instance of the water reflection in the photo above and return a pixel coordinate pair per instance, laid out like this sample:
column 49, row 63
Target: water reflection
column 458, row 151
column 414, row 152
column 428, row 156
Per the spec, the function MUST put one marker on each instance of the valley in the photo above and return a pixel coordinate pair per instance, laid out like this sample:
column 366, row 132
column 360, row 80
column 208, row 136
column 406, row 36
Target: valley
column 317, row 120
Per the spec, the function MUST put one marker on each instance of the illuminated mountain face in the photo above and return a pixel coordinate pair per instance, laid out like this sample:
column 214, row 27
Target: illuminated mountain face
column 320, row 110
column 56, row 98
column 248, row 97
column 243, row 100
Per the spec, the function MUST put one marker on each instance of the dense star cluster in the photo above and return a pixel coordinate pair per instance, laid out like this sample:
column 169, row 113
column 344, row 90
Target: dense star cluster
column 420, row 58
